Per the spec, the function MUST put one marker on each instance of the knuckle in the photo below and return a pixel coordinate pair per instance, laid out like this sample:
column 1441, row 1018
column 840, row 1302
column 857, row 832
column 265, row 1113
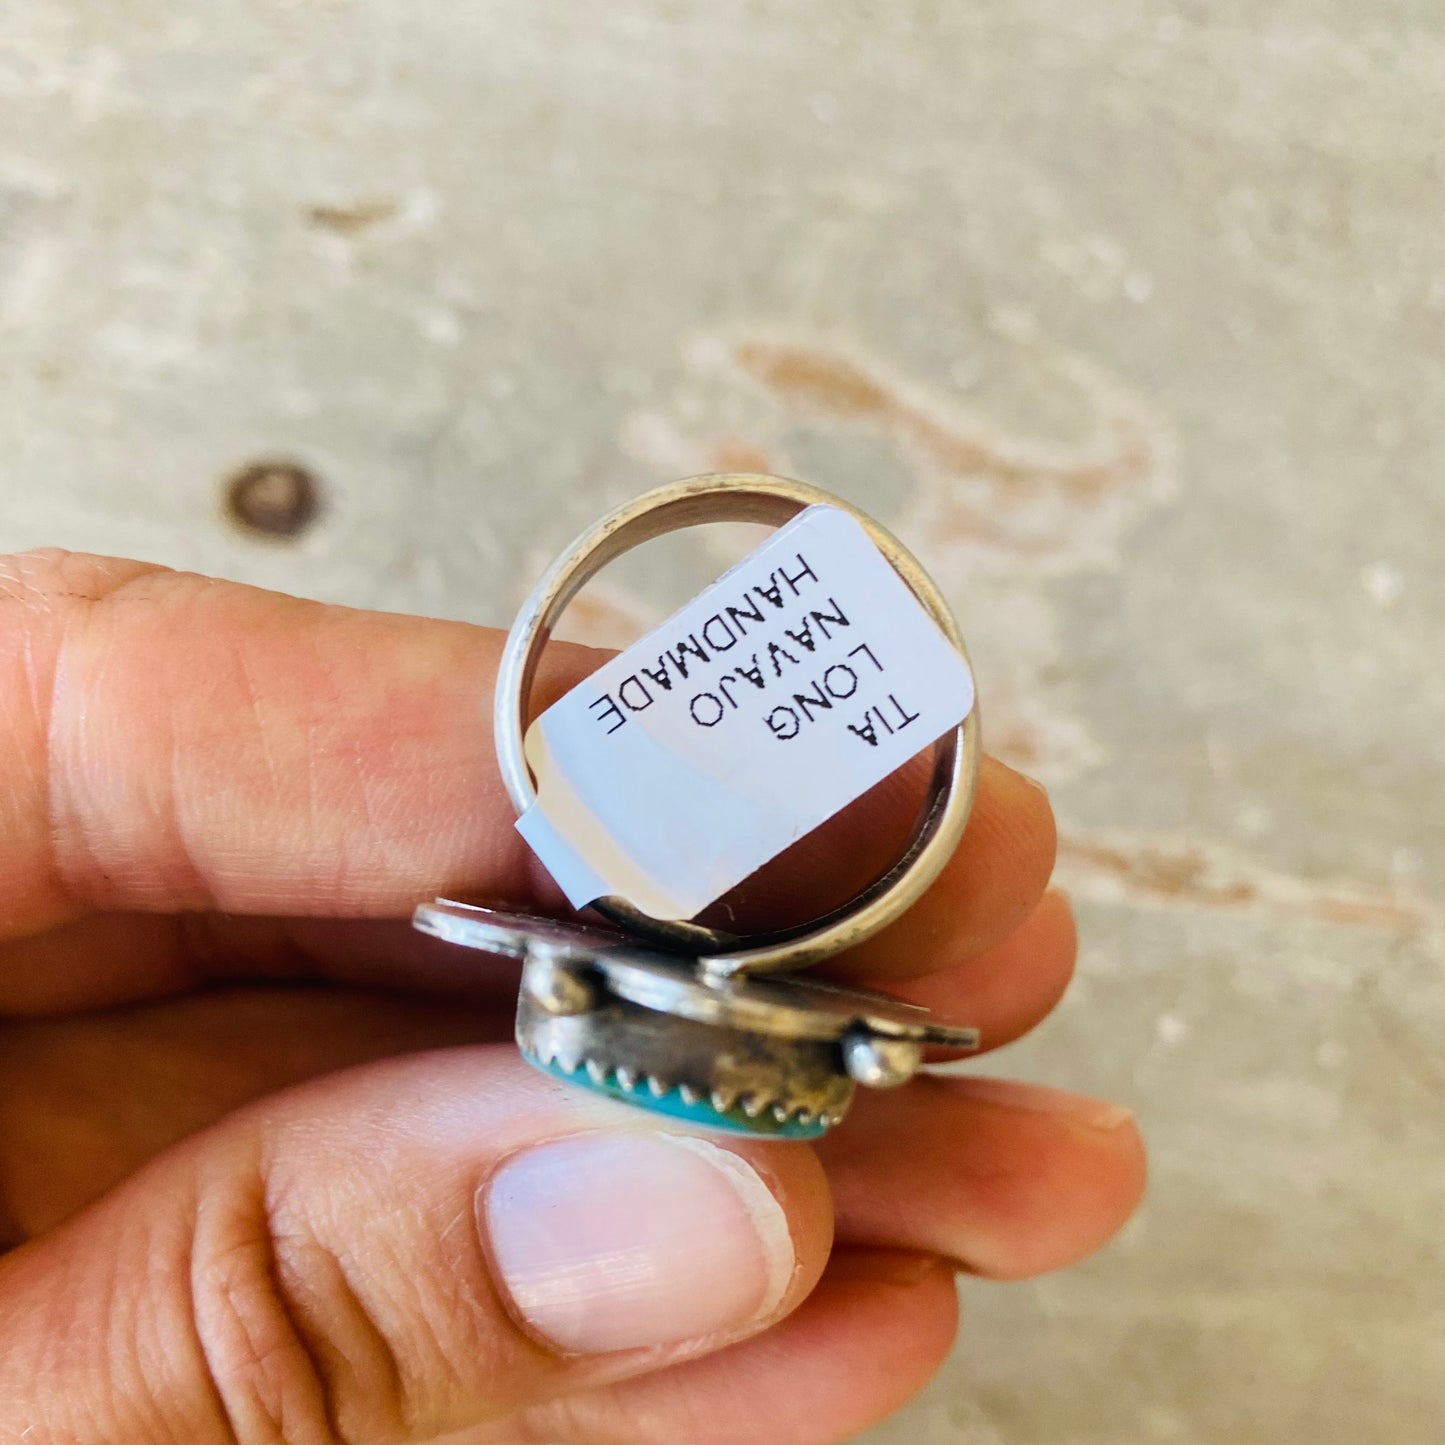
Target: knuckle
column 47, row 580
column 67, row 681
column 291, row 1350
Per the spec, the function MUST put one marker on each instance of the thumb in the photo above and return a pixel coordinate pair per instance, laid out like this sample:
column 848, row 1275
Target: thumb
column 398, row 1252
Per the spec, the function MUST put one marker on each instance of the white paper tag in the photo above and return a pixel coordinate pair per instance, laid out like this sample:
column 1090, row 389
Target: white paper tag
column 793, row 684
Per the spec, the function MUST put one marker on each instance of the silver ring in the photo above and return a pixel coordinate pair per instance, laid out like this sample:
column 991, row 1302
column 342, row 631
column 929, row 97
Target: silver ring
column 740, row 497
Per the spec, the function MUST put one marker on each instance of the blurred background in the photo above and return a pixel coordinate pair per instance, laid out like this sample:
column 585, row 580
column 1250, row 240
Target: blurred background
column 1127, row 316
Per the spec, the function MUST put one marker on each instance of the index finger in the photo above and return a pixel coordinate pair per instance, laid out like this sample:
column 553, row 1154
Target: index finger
column 171, row 743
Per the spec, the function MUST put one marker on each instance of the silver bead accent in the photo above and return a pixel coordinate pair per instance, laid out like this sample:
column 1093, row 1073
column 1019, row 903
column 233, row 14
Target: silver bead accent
column 879, row 1062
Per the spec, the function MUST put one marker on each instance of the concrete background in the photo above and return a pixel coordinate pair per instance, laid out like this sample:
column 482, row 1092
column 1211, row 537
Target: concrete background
column 1126, row 315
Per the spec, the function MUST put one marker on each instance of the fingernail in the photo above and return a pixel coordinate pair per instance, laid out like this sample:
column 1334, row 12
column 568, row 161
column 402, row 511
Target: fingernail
column 1095, row 1113
column 621, row 1241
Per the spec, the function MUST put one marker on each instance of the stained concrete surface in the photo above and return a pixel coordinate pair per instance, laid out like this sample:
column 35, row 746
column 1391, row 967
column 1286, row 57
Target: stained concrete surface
column 1126, row 315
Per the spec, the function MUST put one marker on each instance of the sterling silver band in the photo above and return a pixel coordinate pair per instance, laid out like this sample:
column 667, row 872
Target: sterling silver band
column 740, row 497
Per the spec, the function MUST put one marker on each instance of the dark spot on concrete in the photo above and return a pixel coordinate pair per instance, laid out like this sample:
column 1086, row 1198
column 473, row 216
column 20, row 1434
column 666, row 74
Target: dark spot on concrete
column 359, row 215
column 272, row 498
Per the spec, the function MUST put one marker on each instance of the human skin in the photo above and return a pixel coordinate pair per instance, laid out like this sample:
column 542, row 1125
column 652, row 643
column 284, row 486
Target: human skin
column 270, row 1166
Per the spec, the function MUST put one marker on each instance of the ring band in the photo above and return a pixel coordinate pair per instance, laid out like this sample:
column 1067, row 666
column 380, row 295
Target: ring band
column 741, row 497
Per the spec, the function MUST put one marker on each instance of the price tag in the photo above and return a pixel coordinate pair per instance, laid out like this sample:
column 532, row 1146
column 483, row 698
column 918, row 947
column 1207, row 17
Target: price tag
column 793, row 684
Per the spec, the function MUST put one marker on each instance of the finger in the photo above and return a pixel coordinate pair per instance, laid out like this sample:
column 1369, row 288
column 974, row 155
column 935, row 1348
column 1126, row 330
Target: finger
column 176, row 743
column 990, row 884
column 1007, row 1179
column 99, row 960
column 1012, row 987
column 85, row 1101
column 870, row 1336
column 402, row 1251
column 180, row 744
column 988, row 887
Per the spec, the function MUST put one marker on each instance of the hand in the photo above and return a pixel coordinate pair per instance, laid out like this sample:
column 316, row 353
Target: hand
column 272, row 1168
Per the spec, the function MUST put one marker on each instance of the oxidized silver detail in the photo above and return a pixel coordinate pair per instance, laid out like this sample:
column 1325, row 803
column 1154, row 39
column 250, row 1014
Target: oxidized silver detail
column 768, row 1054
column 557, row 984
